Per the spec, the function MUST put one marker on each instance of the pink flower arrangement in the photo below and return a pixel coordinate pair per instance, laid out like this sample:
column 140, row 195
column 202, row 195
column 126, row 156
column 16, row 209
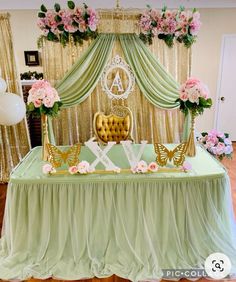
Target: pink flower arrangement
column 217, row 143
column 143, row 167
column 153, row 167
column 170, row 24
column 186, row 166
column 48, row 169
column 82, row 167
column 194, row 96
column 43, row 99
column 77, row 23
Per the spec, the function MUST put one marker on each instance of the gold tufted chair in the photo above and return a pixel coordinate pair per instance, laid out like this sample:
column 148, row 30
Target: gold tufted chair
column 114, row 127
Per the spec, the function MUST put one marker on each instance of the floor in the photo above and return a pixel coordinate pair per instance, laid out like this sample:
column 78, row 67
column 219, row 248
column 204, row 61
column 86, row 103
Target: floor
column 230, row 166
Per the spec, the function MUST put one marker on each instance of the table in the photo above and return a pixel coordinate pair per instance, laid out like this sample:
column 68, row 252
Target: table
column 80, row 226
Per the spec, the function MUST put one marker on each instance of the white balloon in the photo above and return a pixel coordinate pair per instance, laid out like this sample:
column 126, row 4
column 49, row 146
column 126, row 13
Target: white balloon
column 3, row 85
column 12, row 109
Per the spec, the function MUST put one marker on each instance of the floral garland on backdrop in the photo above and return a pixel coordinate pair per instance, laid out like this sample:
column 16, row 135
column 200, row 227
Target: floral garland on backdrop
column 169, row 25
column 62, row 25
column 78, row 23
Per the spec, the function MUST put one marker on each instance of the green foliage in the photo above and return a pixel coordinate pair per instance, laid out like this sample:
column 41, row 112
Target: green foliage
column 169, row 40
column 43, row 9
column 57, row 18
column 85, row 6
column 51, row 36
column 196, row 109
column 57, row 7
column 146, row 38
column 37, row 112
column 204, row 134
column 41, row 15
column 31, row 75
column 71, row 5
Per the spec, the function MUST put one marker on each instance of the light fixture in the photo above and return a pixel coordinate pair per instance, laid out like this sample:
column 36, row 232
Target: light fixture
column 12, row 106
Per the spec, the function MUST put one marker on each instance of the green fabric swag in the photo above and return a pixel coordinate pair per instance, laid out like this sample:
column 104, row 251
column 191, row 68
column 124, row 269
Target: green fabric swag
column 157, row 85
column 80, row 81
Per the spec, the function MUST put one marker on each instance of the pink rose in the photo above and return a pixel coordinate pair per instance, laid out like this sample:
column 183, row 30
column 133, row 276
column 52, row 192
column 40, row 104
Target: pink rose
column 73, row 169
column 48, row 168
column 194, row 97
column 37, row 103
column 40, row 84
column 155, row 14
column 48, row 102
column 220, row 148
column 191, row 82
column 153, row 167
column 186, row 166
column 183, row 96
column 220, row 134
column 41, row 23
column 70, row 28
column 141, row 167
column 213, row 132
column 212, row 139
column 195, row 27
column 83, row 167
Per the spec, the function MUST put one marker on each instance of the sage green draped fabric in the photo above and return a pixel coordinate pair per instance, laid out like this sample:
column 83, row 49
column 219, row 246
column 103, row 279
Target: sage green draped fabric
column 79, row 226
column 83, row 77
column 158, row 86
column 155, row 82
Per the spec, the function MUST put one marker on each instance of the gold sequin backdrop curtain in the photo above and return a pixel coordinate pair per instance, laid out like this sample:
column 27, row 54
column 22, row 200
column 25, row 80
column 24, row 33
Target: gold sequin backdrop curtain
column 14, row 141
column 150, row 122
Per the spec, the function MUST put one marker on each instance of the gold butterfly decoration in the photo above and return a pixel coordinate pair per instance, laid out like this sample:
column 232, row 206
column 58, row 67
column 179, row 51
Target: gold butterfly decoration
column 58, row 157
column 163, row 154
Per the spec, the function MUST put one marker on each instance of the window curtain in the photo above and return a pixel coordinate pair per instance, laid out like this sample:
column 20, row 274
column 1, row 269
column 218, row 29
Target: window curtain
column 151, row 123
column 14, row 140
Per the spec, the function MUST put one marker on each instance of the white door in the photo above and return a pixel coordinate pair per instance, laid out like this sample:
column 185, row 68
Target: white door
column 226, row 102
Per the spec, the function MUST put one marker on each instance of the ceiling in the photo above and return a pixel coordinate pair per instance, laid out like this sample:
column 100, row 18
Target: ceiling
column 35, row 4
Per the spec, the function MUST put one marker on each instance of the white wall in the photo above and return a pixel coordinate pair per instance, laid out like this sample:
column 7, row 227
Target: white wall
column 25, row 34
column 205, row 53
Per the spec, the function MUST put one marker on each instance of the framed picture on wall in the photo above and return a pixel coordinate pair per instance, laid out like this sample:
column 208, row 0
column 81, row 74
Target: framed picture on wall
column 31, row 58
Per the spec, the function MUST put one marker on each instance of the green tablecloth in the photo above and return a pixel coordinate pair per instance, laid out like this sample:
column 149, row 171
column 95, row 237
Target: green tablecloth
column 77, row 226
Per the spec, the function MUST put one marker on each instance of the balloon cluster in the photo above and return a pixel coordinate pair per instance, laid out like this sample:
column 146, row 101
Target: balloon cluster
column 12, row 106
